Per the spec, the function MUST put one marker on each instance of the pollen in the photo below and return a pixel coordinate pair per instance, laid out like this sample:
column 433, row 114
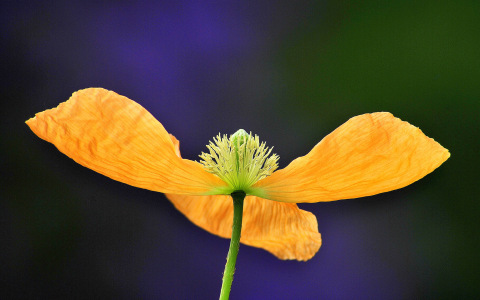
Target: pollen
column 240, row 160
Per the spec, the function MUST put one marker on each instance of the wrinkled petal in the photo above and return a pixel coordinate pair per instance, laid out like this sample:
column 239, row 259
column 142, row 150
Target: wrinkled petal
column 280, row 228
column 368, row 155
column 118, row 138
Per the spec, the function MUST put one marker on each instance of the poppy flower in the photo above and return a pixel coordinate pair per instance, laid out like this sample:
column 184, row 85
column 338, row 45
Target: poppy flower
column 367, row 155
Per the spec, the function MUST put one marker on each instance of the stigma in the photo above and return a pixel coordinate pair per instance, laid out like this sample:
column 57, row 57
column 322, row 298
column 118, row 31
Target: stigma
column 240, row 160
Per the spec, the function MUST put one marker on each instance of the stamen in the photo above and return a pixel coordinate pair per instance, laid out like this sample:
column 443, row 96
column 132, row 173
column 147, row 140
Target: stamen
column 240, row 160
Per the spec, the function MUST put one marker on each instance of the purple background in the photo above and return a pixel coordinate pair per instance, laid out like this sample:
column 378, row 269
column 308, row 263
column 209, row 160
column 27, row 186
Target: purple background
column 289, row 71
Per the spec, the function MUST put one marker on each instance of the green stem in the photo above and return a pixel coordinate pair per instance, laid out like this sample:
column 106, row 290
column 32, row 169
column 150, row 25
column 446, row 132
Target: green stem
column 238, row 197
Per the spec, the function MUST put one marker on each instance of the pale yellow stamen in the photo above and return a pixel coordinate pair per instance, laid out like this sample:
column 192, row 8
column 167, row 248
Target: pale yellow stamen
column 240, row 160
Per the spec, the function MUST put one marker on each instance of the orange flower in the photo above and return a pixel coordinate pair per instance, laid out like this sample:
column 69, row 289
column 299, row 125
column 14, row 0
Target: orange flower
column 369, row 154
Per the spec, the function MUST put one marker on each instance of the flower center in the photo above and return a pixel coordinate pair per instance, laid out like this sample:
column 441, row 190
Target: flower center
column 240, row 160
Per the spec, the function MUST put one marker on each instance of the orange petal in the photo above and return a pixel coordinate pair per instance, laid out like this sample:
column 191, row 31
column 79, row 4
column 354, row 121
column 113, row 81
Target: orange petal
column 118, row 138
column 369, row 154
column 280, row 228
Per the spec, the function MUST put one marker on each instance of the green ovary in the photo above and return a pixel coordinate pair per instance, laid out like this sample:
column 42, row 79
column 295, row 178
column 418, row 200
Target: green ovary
column 240, row 160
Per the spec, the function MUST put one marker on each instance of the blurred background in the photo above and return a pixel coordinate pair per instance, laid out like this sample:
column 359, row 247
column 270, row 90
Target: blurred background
column 289, row 71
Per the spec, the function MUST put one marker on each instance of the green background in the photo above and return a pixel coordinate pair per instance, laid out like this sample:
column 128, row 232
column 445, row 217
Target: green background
column 289, row 71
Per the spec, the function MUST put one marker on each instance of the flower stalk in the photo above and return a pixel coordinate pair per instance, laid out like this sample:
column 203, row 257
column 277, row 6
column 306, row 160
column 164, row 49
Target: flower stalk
column 238, row 199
